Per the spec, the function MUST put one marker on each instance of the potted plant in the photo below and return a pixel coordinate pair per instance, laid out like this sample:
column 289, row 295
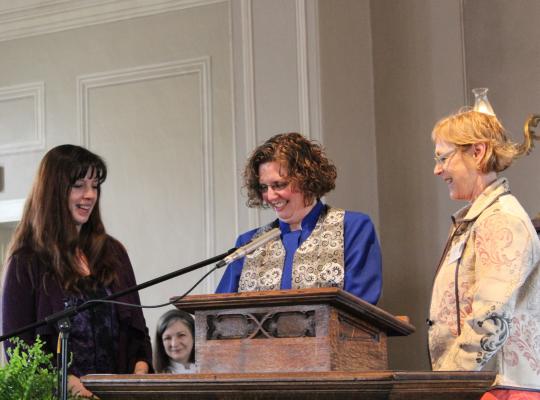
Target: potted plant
column 29, row 374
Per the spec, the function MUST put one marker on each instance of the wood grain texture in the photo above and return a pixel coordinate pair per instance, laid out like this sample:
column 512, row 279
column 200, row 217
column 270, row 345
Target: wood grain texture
column 309, row 330
column 373, row 385
column 337, row 298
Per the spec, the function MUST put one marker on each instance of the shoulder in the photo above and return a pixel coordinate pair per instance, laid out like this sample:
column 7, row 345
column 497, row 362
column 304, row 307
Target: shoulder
column 114, row 244
column 358, row 219
column 247, row 236
column 358, row 227
column 24, row 266
column 505, row 226
column 24, row 259
column 115, row 247
column 509, row 204
column 506, row 213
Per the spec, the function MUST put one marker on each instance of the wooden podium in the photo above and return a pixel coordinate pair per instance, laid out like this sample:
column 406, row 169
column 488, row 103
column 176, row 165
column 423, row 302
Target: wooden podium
column 292, row 344
column 315, row 330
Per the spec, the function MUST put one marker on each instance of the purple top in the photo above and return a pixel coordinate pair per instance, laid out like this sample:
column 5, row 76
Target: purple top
column 30, row 295
column 94, row 334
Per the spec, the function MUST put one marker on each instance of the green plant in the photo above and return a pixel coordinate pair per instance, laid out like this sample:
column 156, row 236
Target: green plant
column 29, row 373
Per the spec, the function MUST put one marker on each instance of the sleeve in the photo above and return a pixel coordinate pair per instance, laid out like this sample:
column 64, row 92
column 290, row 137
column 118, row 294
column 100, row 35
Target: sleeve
column 133, row 324
column 18, row 300
column 363, row 269
column 503, row 260
column 29, row 295
column 230, row 279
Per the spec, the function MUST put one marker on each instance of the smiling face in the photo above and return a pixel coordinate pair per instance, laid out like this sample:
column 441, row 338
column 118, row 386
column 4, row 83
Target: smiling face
column 459, row 169
column 279, row 193
column 83, row 196
column 178, row 341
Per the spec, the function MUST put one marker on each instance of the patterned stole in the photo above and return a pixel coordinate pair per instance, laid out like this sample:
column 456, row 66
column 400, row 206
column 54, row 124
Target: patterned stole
column 318, row 262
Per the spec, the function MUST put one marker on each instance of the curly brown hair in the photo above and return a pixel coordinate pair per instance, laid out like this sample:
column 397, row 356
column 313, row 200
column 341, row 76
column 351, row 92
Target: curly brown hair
column 304, row 162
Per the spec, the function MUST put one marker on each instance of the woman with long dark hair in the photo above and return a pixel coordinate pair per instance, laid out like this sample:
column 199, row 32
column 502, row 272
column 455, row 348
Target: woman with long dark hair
column 61, row 256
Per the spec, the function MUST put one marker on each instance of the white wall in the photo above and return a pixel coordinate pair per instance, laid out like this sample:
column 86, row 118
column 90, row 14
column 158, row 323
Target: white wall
column 428, row 55
column 418, row 69
column 152, row 94
column 347, row 103
column 502, row 51
column 175, row 94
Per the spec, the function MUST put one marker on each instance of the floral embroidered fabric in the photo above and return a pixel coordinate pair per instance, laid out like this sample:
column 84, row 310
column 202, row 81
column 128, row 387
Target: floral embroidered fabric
column 318, row 262
column 485, row 303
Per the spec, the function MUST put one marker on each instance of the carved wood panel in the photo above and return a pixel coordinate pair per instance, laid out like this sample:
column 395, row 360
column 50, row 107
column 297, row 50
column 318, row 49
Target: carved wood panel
column 261, row 325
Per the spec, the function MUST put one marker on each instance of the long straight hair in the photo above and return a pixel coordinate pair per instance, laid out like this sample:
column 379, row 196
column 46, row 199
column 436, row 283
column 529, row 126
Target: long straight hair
column 47, row 229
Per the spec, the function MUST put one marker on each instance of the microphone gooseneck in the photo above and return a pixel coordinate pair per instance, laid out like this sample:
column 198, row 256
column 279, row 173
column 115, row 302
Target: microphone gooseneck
column 250, row 247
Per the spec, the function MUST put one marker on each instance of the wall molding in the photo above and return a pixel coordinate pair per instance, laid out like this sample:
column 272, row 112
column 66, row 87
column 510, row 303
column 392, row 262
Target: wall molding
column 35, row 91
column 314, row 70
column 11, row 210
column 303, row 71
column 248, row 75
column 198, row 66
column 307, row 39
column 463, row 51
column 58, row 15
column 308, row 75
column 250, row 115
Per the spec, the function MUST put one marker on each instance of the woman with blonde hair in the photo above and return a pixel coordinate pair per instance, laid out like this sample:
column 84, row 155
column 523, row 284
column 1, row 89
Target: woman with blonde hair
column 484, row 311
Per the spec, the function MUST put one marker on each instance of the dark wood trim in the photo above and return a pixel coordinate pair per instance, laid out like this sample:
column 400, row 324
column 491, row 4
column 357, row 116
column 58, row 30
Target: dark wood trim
column 294, row 386
column 337, row 298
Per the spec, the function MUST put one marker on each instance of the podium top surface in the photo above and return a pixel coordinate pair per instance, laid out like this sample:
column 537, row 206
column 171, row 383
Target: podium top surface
column 334, row 297
column 373, row 385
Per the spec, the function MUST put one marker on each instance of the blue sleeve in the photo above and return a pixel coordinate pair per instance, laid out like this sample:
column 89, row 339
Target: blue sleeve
column 363, row 269
column 231, row 277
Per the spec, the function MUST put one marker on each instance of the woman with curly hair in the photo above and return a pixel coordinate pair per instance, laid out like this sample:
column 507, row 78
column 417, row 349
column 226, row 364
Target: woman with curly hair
column 319, row 246
column 61, row 256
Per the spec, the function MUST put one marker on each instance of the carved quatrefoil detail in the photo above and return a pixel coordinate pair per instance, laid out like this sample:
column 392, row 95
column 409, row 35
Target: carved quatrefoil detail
column 261, row 325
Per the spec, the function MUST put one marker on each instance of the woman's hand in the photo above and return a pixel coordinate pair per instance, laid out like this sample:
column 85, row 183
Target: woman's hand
column 141, row 368
column 76, row 387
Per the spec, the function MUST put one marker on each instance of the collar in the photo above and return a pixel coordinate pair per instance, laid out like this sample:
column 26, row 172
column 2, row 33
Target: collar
column 490, row 194
column 309, row 221
column 177, row 366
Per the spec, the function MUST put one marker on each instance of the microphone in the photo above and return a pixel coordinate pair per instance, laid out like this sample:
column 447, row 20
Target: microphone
column 249, row 247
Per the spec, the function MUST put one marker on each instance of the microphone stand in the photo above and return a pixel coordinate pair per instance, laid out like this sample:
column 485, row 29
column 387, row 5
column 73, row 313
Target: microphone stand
column 64, row 326
column 62, row 317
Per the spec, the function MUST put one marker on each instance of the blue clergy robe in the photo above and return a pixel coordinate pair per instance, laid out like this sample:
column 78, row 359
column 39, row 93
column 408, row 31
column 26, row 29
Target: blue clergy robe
column 363, row 272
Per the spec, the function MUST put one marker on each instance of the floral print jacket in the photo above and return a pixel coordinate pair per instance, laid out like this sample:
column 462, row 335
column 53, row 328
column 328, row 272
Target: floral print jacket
column 485, row 304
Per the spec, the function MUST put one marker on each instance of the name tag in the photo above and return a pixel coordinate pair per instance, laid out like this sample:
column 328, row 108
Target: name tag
column 456, row 251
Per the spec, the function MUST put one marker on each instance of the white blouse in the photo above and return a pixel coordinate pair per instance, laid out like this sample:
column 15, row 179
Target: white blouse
column 179, row 368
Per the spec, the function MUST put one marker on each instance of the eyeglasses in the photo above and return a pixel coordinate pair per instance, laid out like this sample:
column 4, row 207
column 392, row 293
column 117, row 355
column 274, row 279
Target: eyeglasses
column 276, row 186
column 441, row 159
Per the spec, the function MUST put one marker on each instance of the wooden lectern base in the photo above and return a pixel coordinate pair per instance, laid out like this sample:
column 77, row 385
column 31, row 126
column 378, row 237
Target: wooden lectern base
column 372, row 385
column 311, row 344
column 305, row 330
